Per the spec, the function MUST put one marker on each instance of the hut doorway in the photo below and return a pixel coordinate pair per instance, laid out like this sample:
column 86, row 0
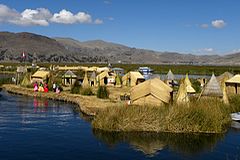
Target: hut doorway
column 105, row 80
column 236, row 88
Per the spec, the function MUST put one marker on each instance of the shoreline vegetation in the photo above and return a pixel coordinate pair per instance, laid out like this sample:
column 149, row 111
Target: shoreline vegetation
column 209, row 115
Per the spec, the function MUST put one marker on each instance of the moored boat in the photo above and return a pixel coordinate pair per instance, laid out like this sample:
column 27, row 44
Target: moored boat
column 235, row 116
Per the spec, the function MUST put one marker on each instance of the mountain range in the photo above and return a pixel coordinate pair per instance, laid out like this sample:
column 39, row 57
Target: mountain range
column 40, row 48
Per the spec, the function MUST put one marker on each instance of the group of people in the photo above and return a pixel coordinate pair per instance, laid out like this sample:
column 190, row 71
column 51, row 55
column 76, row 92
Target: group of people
column 43, row 87
column 40, row 87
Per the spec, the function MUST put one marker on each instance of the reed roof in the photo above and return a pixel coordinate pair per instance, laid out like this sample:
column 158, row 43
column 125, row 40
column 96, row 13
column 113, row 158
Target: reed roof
column 212, row 88
column 234, row 79
column 154, row 87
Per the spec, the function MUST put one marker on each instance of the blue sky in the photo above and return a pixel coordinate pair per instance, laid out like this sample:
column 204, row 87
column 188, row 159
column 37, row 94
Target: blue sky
column 186, row 26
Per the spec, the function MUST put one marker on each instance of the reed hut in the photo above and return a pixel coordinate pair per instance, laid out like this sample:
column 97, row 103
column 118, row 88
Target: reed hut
column 170, row 78
column 102, row 78
column 151, row 92
column 225, row 76
column 26, row 80
column 132, row 78
column 182, row 94
column 40, row 76
column 233, row 85
column 188, row 85
column 212, row 88
column 93, row 79
column 21, row 70
column 85, row 83
column 69, row 78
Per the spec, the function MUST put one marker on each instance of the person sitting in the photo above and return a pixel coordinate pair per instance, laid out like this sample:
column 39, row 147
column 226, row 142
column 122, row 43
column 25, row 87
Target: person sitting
column 45, row 87
column 41, row 89
column 35, row 87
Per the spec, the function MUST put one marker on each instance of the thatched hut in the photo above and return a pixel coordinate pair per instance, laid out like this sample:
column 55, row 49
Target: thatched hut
column 40, row 76
column 102, row 78
column 212, row 88
column 93, row 79
column 85, row 83
column 69, row 78
column 233, row 85
column 132, row 78
column 170, row 78
column 153, row 92
column 182, row 95
column 188, row 85
column 225, row 76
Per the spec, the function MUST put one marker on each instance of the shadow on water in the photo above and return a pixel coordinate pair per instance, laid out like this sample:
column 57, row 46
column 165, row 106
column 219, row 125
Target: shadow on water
column 152, row 143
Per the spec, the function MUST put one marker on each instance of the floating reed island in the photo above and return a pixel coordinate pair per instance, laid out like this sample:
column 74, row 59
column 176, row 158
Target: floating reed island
column 89, row 105
column 133, row 103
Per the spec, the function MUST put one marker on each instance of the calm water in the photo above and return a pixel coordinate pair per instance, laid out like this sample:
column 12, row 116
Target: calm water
column 42, row 129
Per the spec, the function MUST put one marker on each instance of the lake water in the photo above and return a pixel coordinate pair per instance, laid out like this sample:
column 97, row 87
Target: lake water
column 42, row 129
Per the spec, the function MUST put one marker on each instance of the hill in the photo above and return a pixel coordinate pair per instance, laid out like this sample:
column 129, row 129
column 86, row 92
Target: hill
column 44, row 49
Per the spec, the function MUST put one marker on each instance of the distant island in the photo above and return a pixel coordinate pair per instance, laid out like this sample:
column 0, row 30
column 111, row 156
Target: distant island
column 40, row 48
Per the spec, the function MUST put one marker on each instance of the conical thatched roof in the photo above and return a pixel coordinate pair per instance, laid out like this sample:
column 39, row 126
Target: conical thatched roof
column 69, row 74
column 85, row 83
column 225, row 76
column 188, row 84
column 157, row 90
column 235, row 79
column 170, row 75
column 182, row 96
column 212, row 88
column 26, row 80
column 118, row 81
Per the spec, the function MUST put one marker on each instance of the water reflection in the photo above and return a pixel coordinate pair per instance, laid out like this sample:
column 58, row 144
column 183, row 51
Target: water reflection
column 152, row 143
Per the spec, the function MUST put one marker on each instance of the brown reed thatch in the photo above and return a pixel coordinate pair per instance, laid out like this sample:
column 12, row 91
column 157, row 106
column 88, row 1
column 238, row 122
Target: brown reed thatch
column 152, row 91
column 225, row 76
column 182, row 96
column 85, row 83
column 132, row 78
column 233, row 85
column 26, row 80
column 170, row 75
column 212, row 88
column 188, row 85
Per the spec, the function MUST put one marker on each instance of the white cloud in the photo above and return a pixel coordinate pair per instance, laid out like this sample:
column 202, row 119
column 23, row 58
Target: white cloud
column 207, row 49
column 218, row 24
column 98, row 21
column 110, row 18
column 204, row 25
column 42, row 17
column 236, row 50
column 107, row 2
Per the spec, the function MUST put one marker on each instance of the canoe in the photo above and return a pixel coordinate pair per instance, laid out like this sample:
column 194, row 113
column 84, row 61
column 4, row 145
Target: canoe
column 235, row 116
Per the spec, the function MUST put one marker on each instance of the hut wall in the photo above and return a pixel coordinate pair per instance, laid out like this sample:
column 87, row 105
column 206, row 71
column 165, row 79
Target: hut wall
column 148, row 100
column 233, row 88
column 69, row 82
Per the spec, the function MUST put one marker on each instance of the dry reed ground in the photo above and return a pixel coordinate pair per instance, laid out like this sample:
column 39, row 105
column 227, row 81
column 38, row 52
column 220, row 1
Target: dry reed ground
column 89, row 105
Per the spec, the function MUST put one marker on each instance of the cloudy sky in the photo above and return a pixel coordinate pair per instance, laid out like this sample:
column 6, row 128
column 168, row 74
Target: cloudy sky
column 186, row 26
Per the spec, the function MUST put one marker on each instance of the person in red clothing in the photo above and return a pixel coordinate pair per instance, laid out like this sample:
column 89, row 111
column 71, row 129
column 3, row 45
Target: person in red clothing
column 45, row 87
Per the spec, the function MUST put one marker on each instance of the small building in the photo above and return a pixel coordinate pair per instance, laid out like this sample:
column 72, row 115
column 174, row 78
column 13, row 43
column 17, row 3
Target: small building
column 212, row 88
column 170, row 78
column 132, row 78
column 40, row 76
column 102, row 78
column 223, row 77
column 146, row 72
column 93, row 79
column 233, row 85
column 151, row 92
column 69, row 78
